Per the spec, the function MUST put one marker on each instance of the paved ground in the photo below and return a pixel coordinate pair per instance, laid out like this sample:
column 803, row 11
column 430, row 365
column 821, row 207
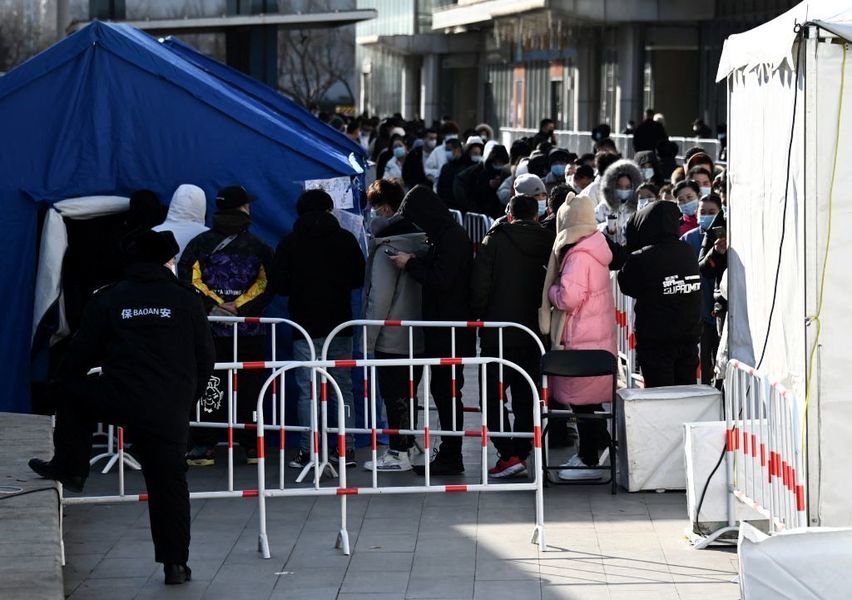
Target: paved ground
column 405, row 546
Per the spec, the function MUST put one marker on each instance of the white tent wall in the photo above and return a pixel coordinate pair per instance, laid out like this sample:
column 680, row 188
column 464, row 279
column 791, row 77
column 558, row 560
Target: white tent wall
column 812, row 358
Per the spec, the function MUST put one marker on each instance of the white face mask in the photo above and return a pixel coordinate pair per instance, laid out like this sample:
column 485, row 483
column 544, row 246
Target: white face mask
column 648, row 173
column 705, row 191
column 542, row 207
column 623, row 195
column 430, row 144
column 476, row 158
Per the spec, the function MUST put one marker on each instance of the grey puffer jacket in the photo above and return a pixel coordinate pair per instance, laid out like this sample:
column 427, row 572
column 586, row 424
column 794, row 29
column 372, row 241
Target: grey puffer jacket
column 390, row 293
column 610, row 204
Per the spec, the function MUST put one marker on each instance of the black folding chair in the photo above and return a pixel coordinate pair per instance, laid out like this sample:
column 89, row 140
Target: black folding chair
column 581, row 363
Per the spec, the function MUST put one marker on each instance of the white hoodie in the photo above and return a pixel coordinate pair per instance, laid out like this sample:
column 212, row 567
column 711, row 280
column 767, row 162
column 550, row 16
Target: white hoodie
column 186, row 215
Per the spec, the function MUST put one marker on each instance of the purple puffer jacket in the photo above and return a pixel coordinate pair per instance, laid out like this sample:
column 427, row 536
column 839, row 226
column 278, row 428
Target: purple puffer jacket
column 584, row 292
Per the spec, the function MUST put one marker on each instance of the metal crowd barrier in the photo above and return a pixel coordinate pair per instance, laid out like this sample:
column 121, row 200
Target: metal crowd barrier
column 278, row 398
column 477, row 226
column 343, row 490
column 625, row 335
column 764, row 450
column 457, row 215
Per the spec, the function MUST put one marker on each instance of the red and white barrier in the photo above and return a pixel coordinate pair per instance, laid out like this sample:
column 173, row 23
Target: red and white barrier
column 764, row 453
column 343, row 490
column 626, row 334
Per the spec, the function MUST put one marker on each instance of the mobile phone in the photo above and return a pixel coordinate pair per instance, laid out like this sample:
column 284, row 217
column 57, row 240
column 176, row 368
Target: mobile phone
column 391, row 251
column 720, row 232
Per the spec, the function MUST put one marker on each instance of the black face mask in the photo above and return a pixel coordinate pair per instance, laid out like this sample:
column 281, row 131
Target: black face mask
column 231, row 222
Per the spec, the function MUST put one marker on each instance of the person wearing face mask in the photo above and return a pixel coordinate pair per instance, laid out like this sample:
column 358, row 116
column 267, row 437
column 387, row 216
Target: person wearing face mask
column 582, row 178
column 557, row 162
column 396, row 133
column 391, row 294
column 708, row 208
column 414, row 167
column 645, row 194
column 648, row 165
column 559, row 195
column 618, row 198
column 394, row 167
column 702, row 177
column 485, row 131
column 532, row 186
column 687, row 194
column 476, row 187
column 508, row 274
column 230, row 267
column 436, row 160
column 456, row 161
column 545, row 133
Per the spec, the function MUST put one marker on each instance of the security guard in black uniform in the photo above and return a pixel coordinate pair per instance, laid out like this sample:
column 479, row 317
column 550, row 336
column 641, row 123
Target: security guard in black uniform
column 150, row 335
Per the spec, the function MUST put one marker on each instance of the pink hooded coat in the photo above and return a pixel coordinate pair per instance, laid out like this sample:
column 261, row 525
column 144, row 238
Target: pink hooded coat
column 584, row 292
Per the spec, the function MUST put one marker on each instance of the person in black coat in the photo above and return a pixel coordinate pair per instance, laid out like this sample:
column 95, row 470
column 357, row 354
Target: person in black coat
column 459, row 162
column 149, row 334
column 444, row 273
column 476, row 187
column 648, row 133
column 661, row 273
column 317, row 266
column 508, row 275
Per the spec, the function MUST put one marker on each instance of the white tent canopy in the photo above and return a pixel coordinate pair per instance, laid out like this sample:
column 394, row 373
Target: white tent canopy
column 790, row 226
column 771, row 43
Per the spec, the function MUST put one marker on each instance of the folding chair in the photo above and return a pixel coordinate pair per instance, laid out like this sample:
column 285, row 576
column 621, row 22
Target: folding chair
column 581, row 363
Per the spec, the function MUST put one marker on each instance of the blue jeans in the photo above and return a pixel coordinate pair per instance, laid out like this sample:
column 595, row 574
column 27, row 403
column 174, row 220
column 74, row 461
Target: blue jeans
column 340, row 349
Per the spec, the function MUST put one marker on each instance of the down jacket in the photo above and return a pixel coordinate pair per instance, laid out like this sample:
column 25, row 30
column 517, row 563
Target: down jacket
column 584, row 292
column 609, row 202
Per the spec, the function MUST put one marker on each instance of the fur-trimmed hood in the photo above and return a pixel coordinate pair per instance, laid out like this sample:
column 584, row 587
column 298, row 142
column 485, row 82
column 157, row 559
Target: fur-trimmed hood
column 610, row 177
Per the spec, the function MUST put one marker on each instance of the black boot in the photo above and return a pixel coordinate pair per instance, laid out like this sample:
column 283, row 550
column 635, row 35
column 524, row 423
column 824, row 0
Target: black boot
column 445, row 463
column 49, row 471
column 177, row 574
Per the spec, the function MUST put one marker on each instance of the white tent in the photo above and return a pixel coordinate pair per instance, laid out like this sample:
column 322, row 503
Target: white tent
column 790, row 226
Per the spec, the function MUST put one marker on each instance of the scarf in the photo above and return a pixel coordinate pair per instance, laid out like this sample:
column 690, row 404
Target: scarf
column 231, row 222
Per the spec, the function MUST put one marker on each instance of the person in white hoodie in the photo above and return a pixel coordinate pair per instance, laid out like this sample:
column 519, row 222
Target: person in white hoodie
column 187, row 211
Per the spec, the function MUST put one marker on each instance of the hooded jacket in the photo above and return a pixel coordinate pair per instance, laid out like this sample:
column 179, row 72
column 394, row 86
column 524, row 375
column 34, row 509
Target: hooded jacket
column 444, row 271
column 662, row 275
column 187, row 211
column 317, row 266
column 508, row 274
column 445, row 181
column 472, row 188
column 229, row 271
column 609, row 202
column 583, row 291
column 649, row 156
column 391, row 294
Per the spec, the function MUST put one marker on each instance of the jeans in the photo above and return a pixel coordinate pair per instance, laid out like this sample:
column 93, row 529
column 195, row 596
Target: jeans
column 340, row 349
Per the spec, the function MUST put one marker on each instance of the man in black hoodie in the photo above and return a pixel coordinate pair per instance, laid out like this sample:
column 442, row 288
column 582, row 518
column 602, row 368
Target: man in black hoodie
column 476, row 187
column 508, row 275
column 317, row 266
column 661, row 273
column 444, row 273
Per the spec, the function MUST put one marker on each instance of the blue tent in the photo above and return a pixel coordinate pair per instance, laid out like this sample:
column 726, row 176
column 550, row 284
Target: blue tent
column 294, row 113
column 109, row 110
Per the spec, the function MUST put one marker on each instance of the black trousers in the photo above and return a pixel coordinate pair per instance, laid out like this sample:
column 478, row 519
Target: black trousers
column 394, row 387
column 667, row 363
column 709, row 348
column 249, row 382
column 514, row 384
column 163, row 462
column 593, row 434
column 438, row 345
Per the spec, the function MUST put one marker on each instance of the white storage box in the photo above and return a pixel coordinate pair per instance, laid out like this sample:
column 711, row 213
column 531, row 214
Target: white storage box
column 650, row 433
column 800, row 564
column 702, row 446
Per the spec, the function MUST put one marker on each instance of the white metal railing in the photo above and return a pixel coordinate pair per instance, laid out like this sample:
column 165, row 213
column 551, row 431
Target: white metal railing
column 581, row 142
column 764, row 450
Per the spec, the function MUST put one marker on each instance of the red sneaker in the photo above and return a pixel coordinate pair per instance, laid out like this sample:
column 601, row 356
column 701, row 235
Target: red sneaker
column 511, row 467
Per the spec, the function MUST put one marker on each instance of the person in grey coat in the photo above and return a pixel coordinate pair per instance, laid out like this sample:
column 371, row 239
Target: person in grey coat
column 393, row 295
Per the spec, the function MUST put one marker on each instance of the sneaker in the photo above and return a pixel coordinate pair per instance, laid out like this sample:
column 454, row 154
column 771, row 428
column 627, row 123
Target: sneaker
column 574, row 474
column 391, row 460
column 251, row 456
column 201, row 456
column 511, row 467
column 421, row 455
column 443, row 464
column 302, row 460
column 350, row 458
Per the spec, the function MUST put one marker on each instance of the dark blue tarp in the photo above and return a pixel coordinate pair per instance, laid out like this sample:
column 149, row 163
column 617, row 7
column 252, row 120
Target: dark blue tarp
column 109, row 110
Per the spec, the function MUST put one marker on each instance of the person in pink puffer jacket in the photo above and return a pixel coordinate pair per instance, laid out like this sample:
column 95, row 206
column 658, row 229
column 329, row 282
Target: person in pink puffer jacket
column 577, row 310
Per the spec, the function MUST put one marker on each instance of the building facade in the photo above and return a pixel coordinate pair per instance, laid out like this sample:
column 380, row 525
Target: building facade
column 512, row 63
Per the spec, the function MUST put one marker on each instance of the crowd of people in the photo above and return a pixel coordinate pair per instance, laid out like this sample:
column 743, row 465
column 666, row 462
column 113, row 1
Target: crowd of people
column 564, row 223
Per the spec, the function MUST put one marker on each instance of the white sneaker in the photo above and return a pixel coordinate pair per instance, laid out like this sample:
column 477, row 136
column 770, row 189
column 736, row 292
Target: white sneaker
column 391, row 460
column 577, row 475
column 421, row 455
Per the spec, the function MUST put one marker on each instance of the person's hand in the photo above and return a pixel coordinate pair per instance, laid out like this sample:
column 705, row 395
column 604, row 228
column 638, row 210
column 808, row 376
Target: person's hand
column 721, row 245
column 401, row 259
column 229, row 306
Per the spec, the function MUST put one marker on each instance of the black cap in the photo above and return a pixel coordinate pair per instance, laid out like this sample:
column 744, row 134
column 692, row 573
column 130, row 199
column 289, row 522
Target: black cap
column 147, row 246
column 233, row 196
column 314, row 201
